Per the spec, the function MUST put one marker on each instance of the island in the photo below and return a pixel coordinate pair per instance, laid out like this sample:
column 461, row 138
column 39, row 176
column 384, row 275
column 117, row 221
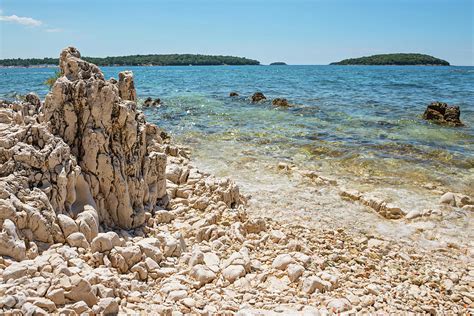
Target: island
column 139, row 60
column 395, row 59
column 278, row 63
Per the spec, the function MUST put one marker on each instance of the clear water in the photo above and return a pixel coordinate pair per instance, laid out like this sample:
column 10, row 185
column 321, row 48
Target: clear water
column 359, row 124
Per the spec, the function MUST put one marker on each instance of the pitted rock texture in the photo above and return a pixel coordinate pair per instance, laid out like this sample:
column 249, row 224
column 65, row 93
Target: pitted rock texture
column 120, row 155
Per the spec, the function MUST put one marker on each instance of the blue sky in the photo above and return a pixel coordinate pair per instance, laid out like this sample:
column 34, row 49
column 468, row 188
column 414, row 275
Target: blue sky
column 294, row 31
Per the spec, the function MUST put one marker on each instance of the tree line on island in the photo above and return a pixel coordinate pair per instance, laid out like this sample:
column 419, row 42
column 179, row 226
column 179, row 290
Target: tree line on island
column 394, row 59
column 140, row 60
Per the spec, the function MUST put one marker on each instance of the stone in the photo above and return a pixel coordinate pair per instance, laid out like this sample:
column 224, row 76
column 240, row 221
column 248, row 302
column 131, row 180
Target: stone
column 81, row 290
column 448, row 198
column 258, row 97
column 339, row 305
column 101, row 243
column 282, row 261
column 10, row 244
column 233, row 94
column 233, row 272
column 77, row 240
column 295, row 271
column 67, row 224
column 313, row 283
column 45, row 304
column 151, row 248
column 441, row 113
column 15, row 271
column 108, row 306
column 280, row 102
column 202, row 274
column 150, row 102
column 56, row 296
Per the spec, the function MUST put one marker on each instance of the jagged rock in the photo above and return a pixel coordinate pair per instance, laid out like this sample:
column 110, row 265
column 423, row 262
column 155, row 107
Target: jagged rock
column 258, row 96
column 126, row 86
column 123, row 166
column 81, row 290
column 441, row 113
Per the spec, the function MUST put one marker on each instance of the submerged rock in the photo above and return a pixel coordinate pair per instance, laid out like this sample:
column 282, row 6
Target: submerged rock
column 441, row 113
column 233, row 94
column 258, row 96
column 280, row 102
column 150, row 102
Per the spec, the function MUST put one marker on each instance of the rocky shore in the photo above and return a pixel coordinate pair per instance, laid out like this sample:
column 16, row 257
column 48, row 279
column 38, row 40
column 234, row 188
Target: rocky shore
column 102, row 215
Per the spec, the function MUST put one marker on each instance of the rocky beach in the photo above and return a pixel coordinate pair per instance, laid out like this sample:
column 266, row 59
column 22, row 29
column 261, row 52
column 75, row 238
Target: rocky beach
column 102, row 213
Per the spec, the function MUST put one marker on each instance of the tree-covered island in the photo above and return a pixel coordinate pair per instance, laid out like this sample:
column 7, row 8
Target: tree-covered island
column 394, row 59
column 139, row 60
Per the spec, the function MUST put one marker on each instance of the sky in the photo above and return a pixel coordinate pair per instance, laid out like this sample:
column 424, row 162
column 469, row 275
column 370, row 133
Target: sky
column 293, row 31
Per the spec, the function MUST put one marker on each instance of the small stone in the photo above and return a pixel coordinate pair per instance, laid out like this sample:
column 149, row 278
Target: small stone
column 448, row 198
column 233, row 272
column 295, row 271
column 338, row 305
column 282, row 261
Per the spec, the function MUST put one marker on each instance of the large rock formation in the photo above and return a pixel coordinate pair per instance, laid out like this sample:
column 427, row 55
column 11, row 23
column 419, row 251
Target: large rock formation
column 121, row 160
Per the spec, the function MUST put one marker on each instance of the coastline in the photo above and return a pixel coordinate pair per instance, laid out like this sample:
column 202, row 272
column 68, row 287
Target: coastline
column 200, row 249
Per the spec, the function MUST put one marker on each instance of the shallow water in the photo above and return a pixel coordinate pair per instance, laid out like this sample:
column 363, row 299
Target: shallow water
column 360, row 124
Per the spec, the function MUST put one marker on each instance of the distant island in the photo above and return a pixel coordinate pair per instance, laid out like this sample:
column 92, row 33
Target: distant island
column 139, row 60
column 278, row 63
column 394, row 59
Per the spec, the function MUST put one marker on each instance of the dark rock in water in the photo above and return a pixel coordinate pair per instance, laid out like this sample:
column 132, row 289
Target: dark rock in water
column 233, row 94
column 150, row 102
column 442, row 113
column 32, row 98
column 280, row 102
column 258, row 96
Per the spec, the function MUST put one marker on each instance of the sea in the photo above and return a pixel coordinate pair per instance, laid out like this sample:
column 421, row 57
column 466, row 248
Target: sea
column 359, row 125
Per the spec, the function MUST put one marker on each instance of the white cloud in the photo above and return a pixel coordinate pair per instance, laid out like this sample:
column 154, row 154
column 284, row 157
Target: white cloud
column 20, row 20
column 54, row 30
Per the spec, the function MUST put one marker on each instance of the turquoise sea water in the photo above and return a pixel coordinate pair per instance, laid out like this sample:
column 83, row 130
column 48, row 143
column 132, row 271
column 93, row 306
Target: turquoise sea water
column 357, row 122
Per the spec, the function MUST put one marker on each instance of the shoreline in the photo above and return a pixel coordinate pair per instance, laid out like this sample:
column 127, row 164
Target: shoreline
column 152, row 233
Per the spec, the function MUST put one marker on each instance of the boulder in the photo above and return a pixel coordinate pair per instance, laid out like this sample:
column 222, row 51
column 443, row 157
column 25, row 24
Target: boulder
column 258, row 97
column 233, row 94
column 442, row 113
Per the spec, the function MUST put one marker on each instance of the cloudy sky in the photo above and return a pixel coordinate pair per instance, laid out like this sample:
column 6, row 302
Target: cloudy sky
column 295, row 31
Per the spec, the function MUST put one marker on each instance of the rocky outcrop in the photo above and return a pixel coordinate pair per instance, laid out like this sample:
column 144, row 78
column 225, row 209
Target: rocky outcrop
column 120, row 155
column 258, row 97
column 442, row 113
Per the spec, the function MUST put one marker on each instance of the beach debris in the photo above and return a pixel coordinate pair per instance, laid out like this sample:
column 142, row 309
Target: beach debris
column 258, row 97
column 442, row 113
